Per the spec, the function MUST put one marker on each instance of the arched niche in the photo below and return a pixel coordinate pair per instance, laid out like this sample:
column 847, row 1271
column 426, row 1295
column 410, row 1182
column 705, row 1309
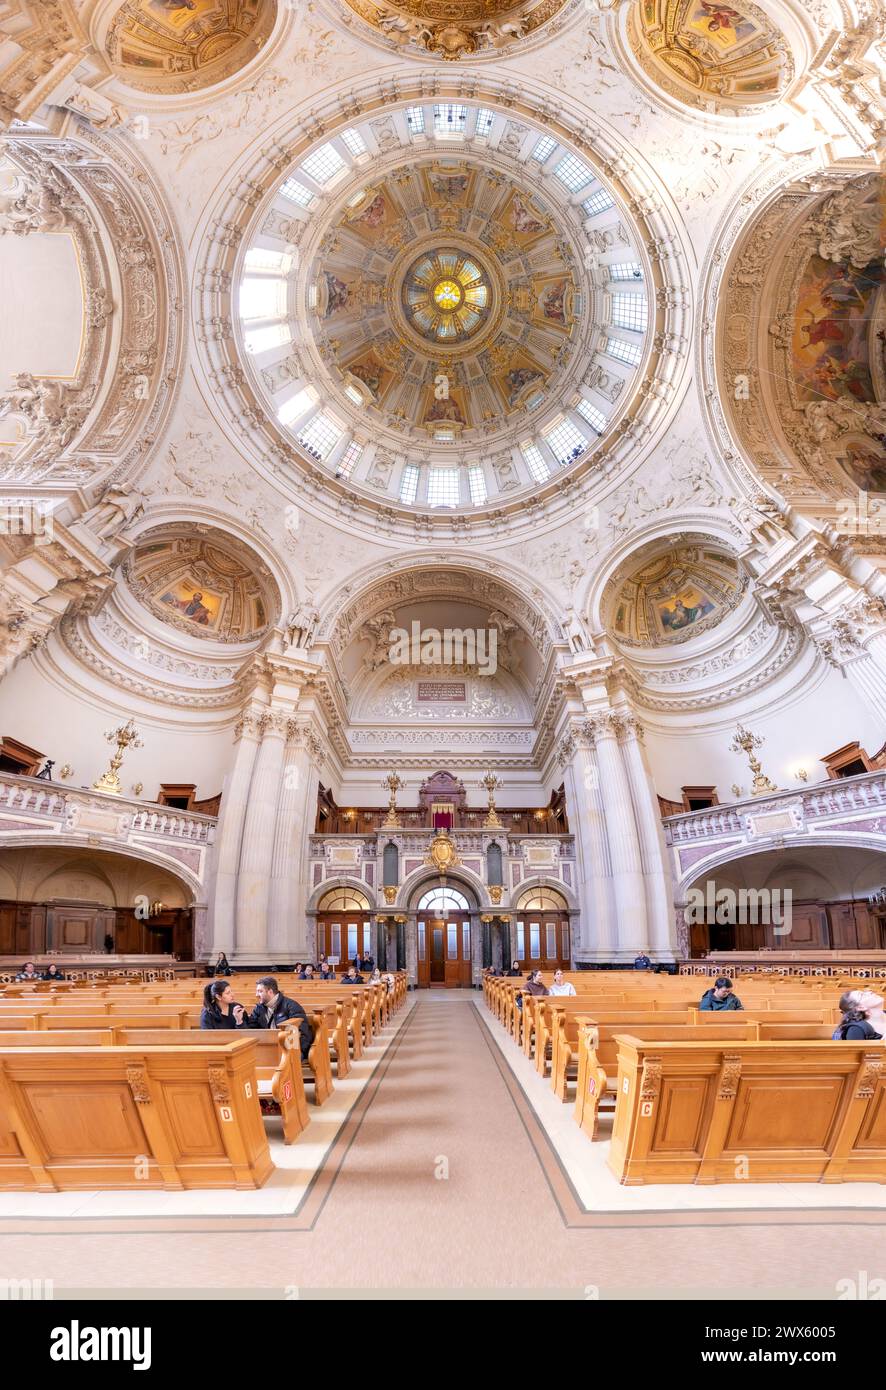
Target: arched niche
column 798, row 345
column 184, row 46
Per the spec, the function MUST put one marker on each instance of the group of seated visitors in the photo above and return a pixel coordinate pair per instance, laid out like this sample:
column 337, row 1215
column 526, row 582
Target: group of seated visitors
column 30, row 972
column 863, row 1016
column 272, row 1009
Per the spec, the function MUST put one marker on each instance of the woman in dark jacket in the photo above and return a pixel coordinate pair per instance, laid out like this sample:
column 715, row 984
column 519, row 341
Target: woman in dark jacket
column 854, row 1025
column 52, row 972
column 221, row 966
column 219, row 1009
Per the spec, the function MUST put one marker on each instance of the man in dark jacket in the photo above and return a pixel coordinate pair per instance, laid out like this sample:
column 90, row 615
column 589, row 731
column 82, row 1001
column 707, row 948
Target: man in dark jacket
column 367, row 964
column 721, row 996
column 642, row 962
column 352, row 977
column 273, row 1009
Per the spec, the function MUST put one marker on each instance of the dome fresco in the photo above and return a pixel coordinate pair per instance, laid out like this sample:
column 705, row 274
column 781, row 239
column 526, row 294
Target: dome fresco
column 675, row 595
column 209, row 587
column 452, row 313
column 186, row 45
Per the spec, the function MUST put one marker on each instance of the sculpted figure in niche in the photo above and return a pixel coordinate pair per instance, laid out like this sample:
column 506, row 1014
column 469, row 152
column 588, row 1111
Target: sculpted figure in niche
column 115, row 509
column 377, row 631
column 301, row 625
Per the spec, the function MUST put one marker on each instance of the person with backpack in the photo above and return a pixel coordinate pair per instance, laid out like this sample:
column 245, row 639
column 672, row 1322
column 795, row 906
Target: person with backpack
column 854, row 1025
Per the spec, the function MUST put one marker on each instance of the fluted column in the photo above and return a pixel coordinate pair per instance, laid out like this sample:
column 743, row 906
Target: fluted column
column 587, row 819
column 253, row 883
column 653, row 854
column 284, row 910
column 868, row 675
column 288, row 936
column 235, row 797
column 628, row 887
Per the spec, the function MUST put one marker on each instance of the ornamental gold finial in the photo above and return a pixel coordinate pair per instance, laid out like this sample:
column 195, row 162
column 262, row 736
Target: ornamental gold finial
column 126, row 736
column 491, row 783
column 393, row 783
column 743, row 741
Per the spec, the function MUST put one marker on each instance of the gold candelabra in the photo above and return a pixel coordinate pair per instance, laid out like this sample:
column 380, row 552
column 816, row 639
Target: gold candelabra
column 491, row 783
column 743, row 741
column 393, row 783
column 127, row 736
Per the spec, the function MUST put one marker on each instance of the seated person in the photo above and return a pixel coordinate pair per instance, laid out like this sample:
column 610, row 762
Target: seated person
column 375, row 977
column 219, row 1009
column 561, row 986
column 721, row 996
column 327, row 971
column 52, row 972
column 306, row 972
column 642, row 962
column 871, row 1005
column 221, row 966
column 515, row 972
column 273, row 1009
column 29, row 972
column 534, row 985
column 352, row 976
column 855, row 1025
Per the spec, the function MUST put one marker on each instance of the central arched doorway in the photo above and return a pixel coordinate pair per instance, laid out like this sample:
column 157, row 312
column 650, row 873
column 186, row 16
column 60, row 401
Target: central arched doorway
column 344, row 925
column 443, row 925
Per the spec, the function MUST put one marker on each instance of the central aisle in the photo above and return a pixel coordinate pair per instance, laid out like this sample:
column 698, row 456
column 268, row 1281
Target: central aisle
column 444, row 1181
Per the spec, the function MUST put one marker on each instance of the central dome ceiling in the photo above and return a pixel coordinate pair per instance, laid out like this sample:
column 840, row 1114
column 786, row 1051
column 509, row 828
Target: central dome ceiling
column 443, row 305
column 446, row 297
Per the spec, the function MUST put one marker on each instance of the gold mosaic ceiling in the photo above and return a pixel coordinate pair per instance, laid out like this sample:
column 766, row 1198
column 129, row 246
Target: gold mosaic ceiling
column 448, row 271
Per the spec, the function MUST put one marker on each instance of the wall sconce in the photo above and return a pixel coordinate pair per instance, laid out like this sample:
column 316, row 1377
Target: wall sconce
column 736, row 789
column 801, row 774
column 66, row 772
column 541, row 815
column 349, row 815
column 138, row 788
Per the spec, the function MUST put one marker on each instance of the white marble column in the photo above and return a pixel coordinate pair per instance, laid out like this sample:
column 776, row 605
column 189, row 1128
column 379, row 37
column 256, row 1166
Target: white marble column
column 587, row 822
column 653, row 854
column 235, row 797
column 628, row 887
column 287, row 933
column 868, row 675
column 254, row 880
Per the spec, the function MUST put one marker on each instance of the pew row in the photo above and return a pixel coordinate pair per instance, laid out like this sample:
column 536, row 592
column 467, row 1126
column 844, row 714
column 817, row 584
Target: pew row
column 173, row 1118
column 278, row 1072
column 728, row 1111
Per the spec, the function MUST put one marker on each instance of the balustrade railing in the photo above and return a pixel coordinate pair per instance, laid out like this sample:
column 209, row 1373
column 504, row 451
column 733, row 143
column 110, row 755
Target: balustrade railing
column 824, row 800
column 41, row 799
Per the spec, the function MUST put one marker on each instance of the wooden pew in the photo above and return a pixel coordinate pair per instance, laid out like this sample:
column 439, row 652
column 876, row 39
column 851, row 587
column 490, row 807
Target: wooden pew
column 724, row 1111
column 278, row 1074
column 131, row 1117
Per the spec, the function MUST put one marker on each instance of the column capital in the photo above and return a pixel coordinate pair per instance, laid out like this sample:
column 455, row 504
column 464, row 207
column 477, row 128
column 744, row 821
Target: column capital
column 251, row 722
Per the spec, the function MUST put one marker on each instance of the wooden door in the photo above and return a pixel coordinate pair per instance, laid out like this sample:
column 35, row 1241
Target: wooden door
column 444, row 951
column 542, row 941
column 342, row 936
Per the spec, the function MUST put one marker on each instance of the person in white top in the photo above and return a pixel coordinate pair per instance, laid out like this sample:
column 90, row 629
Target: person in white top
column 560, row 986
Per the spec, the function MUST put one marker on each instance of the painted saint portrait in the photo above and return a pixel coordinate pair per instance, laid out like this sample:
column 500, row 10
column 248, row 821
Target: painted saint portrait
column 449, row 186
column 683, row 610
column 516, row 381
column 552, row 301
column 523, row 219
column 373, row 216
column 445, row 411
column 866, row 468
column 720, row 24
column 337, row 294
column 193, row 602
column 831, row 348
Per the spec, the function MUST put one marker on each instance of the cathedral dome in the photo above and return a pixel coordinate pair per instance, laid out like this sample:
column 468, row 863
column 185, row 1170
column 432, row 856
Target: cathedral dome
column 448, row 322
